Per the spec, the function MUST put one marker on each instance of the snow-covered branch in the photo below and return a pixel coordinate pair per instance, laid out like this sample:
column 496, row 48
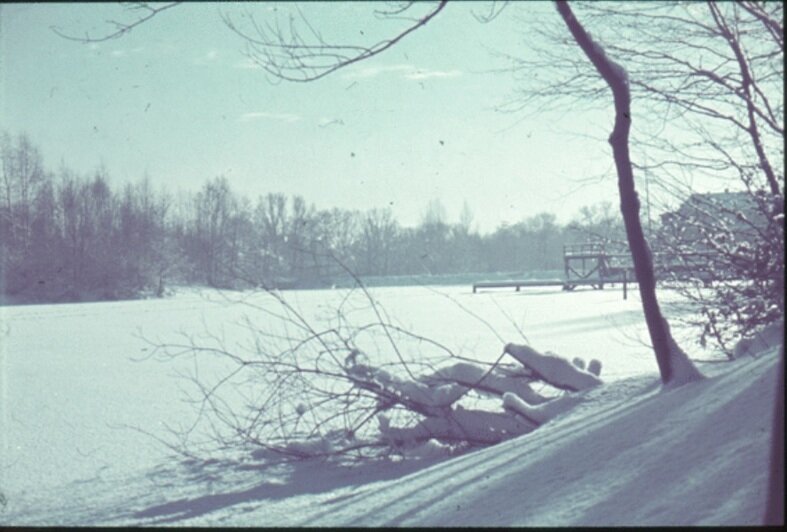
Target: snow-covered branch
column 341, row 390
column 553, row 369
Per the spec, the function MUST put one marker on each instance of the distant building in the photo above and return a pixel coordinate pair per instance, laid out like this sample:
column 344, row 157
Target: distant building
column 734, row 215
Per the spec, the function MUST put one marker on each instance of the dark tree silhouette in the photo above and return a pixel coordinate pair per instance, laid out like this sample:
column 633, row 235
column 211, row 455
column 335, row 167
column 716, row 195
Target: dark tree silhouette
column 666, row 350
column 774, row 509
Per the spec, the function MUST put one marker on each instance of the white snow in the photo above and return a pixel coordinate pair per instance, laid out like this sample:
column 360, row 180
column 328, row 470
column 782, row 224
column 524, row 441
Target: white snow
column 768, row 336
column 416, row 392
column 628, row 453
column 494, row 381
column 477, row 426
column 682, row 369
column 594, row 367
column 553, row 369
column 544, row 412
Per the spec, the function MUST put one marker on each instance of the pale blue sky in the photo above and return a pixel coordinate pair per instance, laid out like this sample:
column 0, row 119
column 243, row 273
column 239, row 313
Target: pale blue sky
column 176, row 98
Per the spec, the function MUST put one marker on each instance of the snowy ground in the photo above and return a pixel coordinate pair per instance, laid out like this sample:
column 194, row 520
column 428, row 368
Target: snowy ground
column 71, row 384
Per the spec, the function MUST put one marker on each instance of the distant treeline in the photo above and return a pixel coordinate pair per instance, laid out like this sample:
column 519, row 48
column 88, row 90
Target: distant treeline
column 65, row 237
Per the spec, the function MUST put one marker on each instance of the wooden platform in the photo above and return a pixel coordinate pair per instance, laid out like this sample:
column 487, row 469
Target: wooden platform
column 590, row 264
column 595, row 283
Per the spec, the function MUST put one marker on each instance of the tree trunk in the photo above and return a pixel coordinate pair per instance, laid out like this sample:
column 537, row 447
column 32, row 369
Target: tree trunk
column 614, row 75
column 774, row 510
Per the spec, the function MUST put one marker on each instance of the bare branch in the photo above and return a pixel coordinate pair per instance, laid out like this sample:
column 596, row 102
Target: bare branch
column 774, row 26
column 495, row 8
column 121, row 28
column 287, row 55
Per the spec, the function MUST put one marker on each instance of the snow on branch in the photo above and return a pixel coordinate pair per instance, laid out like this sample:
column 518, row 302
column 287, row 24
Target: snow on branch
column 494, row 382
column 428, row 400
column 553, row 369
column 359, row 391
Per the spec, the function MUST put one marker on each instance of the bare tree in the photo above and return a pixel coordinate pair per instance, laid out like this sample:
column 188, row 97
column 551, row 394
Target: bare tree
column 668, row 355
column 21, row 177
column 270, row 216
column 599, row 223
column 708, row 77
column 299, row 232
column 341, row 230
column 707, row 80
column 378, row 237
column 214, row 207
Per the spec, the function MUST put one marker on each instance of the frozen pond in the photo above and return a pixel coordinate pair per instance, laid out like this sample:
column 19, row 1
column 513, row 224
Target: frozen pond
column 73, row 377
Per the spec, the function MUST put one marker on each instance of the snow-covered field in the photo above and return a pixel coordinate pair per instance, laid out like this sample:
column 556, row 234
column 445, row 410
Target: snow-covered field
column 74, row 378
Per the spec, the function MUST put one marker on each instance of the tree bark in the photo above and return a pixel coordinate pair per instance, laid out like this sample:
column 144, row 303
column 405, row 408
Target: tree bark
column 616, row 78
column 774, row 510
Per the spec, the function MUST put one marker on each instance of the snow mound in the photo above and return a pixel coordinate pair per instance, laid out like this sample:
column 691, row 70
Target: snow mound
column 683, row 370
column 541, row 413
column 770, row 336
column 459, row 425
